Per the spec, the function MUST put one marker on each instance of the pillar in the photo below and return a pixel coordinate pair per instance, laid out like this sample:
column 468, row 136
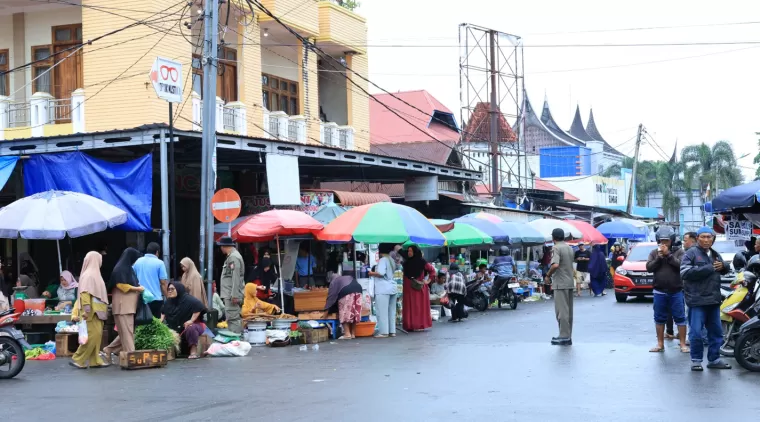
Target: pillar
column 77, row 111
column 308, row 84
column 249, row 78
column 39, row 112
column 163, row 160
column 197, row 111
column 300, row 123
column 219, row 114
column 5, row 105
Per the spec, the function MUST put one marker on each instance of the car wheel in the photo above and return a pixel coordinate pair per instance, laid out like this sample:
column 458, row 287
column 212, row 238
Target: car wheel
column 621, row 297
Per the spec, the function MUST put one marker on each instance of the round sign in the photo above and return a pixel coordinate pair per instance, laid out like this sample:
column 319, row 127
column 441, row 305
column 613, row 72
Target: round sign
column 225, row 205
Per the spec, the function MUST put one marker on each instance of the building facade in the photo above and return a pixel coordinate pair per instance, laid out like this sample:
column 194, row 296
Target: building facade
column 84, row 68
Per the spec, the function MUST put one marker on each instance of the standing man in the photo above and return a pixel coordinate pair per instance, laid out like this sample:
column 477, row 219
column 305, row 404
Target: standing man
column 701, row 268
column 151, row 272
column 305, row 265
column 232, row 284
column 582, row 258
column 665, row 263
column 689, row 241
column 560, row 277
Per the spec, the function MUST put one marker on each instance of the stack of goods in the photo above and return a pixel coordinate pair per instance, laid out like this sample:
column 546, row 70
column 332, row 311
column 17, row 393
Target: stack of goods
column 156, row 336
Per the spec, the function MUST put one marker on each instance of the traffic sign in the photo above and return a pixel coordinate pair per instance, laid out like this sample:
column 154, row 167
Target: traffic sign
column 166, row 76
column 225, row 205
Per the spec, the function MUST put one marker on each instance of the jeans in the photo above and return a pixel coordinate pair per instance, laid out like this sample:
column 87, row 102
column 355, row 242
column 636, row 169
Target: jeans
column 457, row 306
column 667, row 305
column 385, row 309
column 707, row 317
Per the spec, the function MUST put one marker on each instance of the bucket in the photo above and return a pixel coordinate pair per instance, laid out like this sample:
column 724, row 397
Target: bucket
column 256, row 334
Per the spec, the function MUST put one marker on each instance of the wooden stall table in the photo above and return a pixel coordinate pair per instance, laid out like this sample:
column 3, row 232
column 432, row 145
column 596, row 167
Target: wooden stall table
column 29, row 321
column 45, row 324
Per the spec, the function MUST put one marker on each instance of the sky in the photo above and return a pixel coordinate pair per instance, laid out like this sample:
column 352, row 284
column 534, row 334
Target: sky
column 692, row 94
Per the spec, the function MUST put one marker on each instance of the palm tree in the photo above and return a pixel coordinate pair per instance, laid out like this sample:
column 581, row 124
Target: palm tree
column 614, row 170
column 669, row 182
column 714, row 166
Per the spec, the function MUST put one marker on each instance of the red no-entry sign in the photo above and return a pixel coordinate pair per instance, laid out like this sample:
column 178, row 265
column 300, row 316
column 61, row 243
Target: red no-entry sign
column 225, row 205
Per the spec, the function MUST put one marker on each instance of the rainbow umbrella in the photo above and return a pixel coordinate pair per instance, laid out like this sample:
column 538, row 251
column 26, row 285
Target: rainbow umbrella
column 485, row 216
column 383, row 222
column 497, row 233
column 466, row 235
column 442, row 225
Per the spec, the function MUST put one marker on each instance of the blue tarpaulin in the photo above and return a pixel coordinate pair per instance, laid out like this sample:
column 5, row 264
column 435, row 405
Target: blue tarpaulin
column 742, row 196
column 7, row 164
column 128, row 186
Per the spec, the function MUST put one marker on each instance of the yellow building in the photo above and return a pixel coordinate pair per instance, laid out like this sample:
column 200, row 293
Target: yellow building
column 269, row 85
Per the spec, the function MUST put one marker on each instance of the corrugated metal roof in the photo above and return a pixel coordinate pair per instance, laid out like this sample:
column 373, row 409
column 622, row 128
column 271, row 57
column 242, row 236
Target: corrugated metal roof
column 387, row 128
column 355, row 199
column 429, row 152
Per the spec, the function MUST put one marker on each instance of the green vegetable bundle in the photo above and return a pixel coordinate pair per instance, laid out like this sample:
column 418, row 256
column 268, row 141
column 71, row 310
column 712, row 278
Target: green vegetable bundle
column 155, row 335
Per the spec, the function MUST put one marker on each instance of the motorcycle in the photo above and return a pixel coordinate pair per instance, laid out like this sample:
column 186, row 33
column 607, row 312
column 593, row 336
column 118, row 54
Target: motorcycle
column 477, row 295
column 510, row 293
column 12, row 345
column 737, row 309
column 747, row 346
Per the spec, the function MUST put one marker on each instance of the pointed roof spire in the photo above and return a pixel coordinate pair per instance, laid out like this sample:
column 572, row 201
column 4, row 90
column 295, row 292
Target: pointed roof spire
column 577, row 129
column 548, row 121
column 591, row 128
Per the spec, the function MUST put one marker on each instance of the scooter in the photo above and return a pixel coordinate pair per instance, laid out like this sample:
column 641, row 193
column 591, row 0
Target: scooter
column 736, row 310
column 509, row 292
column 477, row 295
column 747, row 345
column 12, row 345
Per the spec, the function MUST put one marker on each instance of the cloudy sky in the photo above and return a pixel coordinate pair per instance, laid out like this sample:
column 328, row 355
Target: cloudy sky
column 689, row 93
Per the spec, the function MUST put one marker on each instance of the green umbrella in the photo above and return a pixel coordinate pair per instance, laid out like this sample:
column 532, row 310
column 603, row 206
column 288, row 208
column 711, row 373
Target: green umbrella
column 466, row 235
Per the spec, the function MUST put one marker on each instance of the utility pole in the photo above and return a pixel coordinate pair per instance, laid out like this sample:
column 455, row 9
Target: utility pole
column 629, row 208
column 208, row 140
column 495, row 179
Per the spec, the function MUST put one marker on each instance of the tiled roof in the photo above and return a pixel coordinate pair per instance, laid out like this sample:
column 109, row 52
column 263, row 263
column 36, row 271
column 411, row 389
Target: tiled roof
column 482, row 190
column 544, row 185
column 387, row 128
column 429, row 152
column 478, row 129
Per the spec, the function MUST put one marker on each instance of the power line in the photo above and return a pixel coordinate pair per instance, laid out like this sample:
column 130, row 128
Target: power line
column 665, row 44
column 647, row 28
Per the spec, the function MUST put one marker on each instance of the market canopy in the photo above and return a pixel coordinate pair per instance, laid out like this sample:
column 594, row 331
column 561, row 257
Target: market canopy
column 621, row 230
column 546, row 226
column 275, row 223
column 466, row 235
column 522, row 234
column 485, row 216
column 738, row 197
column 497, row 233
column 590, row 233
column 328, row 213
column 383, row 222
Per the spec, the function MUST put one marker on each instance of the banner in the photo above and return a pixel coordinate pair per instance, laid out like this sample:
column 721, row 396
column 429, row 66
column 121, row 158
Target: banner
column 127, row 186
column 311, row 202
column 738, row 230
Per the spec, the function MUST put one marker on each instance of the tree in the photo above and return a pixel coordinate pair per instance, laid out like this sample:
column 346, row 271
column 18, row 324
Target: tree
column 646, row 177
column 669, row 182
column 757, row 161
column 348, row 4
column 709, row 166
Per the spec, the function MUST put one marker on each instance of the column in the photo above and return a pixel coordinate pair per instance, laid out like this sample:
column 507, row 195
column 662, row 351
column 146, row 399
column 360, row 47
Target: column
column 77, row 111
column 239, row 117
column 349, row 133
column 300, row 123
column 330, row 138
column 282, row 124
column 219, row 114
column 309, row 90
column 5, row 105
column 39, row 112
column 249, row 78
column 197, row 112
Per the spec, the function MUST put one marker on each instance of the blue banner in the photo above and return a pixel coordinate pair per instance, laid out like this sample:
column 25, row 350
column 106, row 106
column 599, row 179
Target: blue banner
column 128, row 186
column 7, row 164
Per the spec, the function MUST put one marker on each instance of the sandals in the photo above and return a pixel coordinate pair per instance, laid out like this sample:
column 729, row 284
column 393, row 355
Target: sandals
column 697, row 367
column 345, row 338
column 657, row 349
column 193, row 357
column 105, row 365
column 719, row 365
column 669, row 336
column 77, row 366
column 381, row 336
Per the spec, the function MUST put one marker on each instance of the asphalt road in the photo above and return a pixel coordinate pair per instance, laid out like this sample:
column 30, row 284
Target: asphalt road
column 497, row 365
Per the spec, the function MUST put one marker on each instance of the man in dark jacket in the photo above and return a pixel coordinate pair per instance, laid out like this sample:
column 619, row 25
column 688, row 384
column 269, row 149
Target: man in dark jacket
column 701, row 268
column 665, row 263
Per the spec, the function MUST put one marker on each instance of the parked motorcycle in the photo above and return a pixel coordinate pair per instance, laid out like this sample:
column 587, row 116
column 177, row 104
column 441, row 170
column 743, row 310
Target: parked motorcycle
column 737, row 309
column 510, row 293
column 12, row 345
column 747, row 346
column 477, row 295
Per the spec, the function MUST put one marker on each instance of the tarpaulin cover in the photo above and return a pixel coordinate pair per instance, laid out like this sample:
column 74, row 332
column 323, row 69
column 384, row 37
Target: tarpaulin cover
column 7, row 164
column 742, row 196
column 128, row 186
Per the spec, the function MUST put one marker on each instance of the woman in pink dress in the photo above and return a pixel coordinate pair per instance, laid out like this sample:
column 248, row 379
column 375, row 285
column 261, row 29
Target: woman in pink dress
column 416, row 297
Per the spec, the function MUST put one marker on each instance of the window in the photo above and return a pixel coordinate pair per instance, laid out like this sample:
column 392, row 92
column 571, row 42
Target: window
column 226, row 82
column 4, row 77
column 279, row 94
column 67, row 74
column 41, row 74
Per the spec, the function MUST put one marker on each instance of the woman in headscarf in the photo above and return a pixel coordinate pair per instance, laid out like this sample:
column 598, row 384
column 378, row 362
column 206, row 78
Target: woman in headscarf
column 31, row 288
column 192, row 281
column 252, row 305
column 125, row 293
column 597, row 269
column 266, row 275
column 65, row 291
column 346, row 293
column 184, row 314
column 416, row 297
column 92, row 307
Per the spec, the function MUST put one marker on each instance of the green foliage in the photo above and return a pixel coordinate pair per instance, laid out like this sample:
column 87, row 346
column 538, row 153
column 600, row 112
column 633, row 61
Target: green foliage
column 152, row 336
column 348, row 4
column 756, row 161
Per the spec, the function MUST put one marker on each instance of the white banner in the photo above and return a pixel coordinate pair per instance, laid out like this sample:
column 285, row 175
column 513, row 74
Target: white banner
column 738, row 230
column 423, row 188
column 283, row 180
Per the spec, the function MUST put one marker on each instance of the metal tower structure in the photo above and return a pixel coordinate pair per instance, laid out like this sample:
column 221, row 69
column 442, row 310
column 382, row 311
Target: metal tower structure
column 491, row 79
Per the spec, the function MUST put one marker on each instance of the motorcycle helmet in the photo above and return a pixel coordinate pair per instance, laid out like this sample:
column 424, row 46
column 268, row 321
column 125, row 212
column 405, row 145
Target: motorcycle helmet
column 665, row 232
column 753, row 265
column 503, row 251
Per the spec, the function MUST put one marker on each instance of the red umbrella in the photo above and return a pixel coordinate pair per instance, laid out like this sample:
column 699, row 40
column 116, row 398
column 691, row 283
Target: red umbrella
column 270, row 224
column 590, row 233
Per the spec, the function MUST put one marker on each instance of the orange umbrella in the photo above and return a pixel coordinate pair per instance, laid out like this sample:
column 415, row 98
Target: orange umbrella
column 590, row 233
column 271, row 224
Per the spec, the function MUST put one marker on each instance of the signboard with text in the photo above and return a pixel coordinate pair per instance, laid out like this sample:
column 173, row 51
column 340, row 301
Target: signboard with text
column 738, row 230
column 166, row 77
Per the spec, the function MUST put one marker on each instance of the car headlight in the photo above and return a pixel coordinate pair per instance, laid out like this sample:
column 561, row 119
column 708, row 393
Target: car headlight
column 621, row 271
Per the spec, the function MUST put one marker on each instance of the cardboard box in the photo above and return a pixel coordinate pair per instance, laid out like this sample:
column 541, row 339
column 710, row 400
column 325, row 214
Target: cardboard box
column 66, row 344
column 141, row 359
column 313, row 300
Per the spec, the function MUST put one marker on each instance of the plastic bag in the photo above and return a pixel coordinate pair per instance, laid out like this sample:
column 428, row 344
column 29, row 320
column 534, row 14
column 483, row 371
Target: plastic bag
column 83, row 336
column 50, row 347
column 147, row 296
column 143, row 315
column 234, row 348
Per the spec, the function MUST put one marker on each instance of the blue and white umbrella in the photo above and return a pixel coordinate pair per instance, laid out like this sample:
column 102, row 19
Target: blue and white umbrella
column 53, row 215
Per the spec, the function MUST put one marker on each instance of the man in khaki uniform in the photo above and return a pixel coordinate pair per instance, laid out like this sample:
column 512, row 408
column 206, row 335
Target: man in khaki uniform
column 232, row 284
column 560, row 276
